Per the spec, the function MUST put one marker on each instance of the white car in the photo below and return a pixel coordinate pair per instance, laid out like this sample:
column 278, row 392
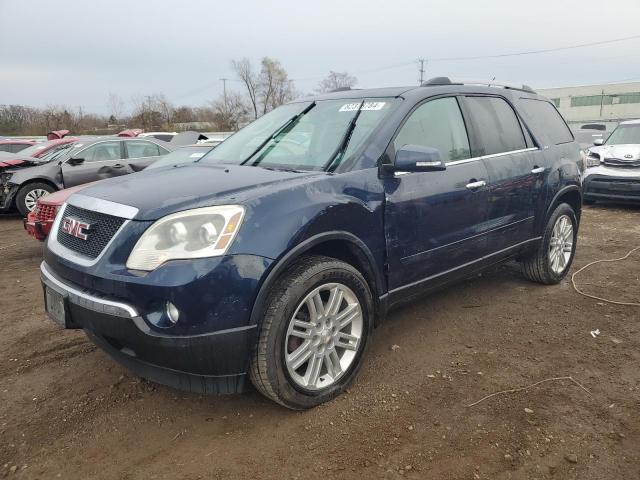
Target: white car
column 613, row 166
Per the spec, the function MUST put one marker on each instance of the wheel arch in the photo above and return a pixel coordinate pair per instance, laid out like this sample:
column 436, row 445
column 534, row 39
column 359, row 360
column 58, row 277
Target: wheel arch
column 571, row 195
column 340, row 245
column 31, row 181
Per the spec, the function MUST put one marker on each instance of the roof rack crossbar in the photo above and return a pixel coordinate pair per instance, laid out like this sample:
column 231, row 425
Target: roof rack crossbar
column 489, row 83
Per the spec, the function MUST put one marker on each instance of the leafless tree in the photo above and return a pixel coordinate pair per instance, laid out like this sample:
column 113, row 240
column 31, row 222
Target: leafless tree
column 275, row 86
column 229, row 111
column 336, row 80
column 251, row 81
column 115, row 106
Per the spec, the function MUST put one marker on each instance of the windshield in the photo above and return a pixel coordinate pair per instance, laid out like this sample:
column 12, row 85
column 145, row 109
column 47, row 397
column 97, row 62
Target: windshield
column 180, row 156
column 55, row 153
column 33, row 149
column 625, row 135
column 304, row 136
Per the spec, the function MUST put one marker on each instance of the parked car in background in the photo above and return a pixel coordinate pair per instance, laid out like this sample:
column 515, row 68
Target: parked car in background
column 39, row 220
column 15, row 146
column 614, row 172
column 132, row 132
column 275, row 263
column 80, row 162
column 164, row 136
column 586, row 137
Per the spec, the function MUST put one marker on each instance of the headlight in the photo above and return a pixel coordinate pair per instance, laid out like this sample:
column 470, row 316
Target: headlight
column 592, row 160
column 197, row 233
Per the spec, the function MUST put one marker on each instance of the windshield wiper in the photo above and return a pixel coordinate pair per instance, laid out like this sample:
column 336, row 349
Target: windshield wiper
column 341, row 148
column 287, row 124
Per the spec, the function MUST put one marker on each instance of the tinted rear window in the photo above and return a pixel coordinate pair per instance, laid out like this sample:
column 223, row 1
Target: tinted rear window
column 543, row 118
column 496, row 124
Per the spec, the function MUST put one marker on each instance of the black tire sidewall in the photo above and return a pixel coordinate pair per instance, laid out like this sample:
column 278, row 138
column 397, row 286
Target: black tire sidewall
column 328, row 271
column 22, row 194
column 562, row 209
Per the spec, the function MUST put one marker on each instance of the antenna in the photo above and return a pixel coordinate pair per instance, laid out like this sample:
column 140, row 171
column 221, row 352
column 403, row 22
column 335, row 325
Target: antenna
column 421, row 61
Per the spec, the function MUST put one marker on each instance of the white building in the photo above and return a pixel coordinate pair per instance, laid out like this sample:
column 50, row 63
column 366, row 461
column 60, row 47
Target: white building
column 608, row 103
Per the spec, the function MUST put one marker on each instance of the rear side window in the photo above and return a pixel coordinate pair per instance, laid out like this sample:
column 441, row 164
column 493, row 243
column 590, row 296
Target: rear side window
column 141, row 149
column 437, row 124
column 543, row 118
column 101, row 152
column 497, row 125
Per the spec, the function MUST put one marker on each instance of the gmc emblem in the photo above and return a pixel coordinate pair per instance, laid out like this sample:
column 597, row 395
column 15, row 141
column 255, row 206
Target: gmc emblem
column 75, row 228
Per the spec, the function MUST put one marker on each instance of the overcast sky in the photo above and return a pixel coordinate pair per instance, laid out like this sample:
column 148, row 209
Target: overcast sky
column 74, row 52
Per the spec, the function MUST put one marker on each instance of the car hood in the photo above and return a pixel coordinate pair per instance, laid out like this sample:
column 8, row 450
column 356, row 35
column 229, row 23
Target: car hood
column 621, row 153
column 11, row 161
column 160, row 192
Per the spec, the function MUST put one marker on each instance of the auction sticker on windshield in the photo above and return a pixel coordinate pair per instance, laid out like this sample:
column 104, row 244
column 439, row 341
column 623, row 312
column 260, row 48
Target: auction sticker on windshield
column 352, row 107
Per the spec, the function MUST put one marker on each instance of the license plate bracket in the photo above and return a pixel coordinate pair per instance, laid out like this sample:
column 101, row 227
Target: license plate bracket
column 56, row 306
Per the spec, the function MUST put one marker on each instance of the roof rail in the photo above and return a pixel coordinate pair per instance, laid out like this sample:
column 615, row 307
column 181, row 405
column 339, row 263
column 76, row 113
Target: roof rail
column 489, row 83
column 340, row 89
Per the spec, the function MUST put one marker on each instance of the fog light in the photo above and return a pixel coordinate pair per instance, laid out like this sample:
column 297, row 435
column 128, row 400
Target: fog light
column 172, row 312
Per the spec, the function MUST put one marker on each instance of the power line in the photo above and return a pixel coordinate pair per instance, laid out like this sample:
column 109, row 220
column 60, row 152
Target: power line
column 535, row 52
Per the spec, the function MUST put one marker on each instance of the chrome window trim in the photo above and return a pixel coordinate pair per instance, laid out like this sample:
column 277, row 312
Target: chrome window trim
column 56, row 247
column 84, row 299
column 493, row 155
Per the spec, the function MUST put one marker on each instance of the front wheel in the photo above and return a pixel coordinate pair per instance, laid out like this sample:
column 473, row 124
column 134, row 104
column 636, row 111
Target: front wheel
column 312, row 339
column 27, row 197
column 550, row 263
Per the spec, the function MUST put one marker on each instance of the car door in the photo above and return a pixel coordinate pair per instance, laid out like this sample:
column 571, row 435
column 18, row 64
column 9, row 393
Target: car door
column 508, row 154
column 434, row 221
column 97, row 161
column 141, row 153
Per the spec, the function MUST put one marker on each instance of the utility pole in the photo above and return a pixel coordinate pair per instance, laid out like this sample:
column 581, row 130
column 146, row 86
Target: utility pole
column 224, row 88
column 421, row 61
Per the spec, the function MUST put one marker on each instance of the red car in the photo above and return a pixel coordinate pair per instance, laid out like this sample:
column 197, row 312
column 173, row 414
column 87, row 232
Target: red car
column 38, row 222
column 15, row 146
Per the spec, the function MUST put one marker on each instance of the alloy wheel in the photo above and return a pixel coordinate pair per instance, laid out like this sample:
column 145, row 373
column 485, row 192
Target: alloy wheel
column 561, row 244
column 323, row 336
column 31, row 198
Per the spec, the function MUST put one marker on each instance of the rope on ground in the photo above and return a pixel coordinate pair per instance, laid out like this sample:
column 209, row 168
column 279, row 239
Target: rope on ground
column 615, row 302
column 7, row 246
column 521, row 389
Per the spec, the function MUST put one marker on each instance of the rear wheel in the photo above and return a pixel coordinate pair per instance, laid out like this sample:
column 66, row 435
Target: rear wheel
column 314, row 333
column 28, row 196
column 550, row 263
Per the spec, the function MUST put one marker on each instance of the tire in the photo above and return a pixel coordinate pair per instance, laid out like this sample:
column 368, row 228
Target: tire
column 27, row 196
column 280, row 345
column 539, row 267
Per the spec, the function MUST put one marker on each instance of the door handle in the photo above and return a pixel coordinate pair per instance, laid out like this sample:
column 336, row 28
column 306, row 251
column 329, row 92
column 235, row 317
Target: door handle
column 476, row 185
column 118, row 165
column 537, row 170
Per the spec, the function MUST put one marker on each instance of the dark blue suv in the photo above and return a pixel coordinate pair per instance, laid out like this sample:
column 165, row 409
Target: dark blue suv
column 275, row 255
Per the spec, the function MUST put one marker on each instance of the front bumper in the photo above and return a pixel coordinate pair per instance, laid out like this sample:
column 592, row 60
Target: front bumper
column 612, row 183
column 213, row 362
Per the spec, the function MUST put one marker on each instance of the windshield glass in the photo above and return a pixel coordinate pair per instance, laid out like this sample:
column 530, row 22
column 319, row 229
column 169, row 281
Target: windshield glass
column 55, row 153
column 33, row 149
column 180, row 156
column 625, row 135
column 304, row 136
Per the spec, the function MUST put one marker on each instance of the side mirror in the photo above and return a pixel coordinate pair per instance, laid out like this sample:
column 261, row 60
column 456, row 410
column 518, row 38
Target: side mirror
column 598, row 141
column 75, row 161
column 416, row 158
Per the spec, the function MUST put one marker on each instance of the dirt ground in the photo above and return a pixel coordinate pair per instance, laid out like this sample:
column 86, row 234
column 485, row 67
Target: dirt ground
column 68, row 411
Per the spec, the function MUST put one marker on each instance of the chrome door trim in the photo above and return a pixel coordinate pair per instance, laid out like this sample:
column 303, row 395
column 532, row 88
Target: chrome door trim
column 493, row 155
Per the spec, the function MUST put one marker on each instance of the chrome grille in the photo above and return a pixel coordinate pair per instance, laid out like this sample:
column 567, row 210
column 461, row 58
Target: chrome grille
column 102, row 229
